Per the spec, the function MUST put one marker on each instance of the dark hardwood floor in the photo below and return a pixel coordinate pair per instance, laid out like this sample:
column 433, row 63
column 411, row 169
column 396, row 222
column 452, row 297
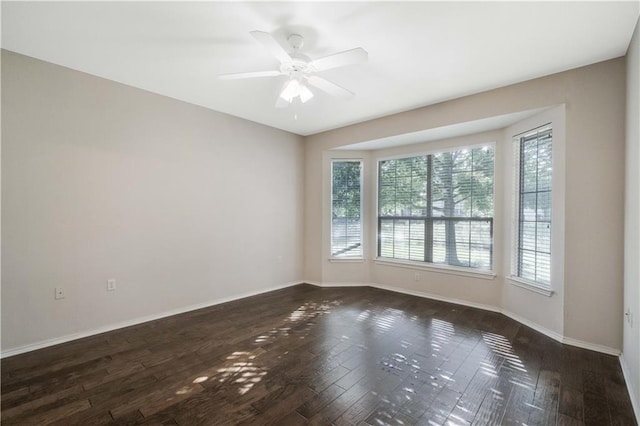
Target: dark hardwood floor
column 307, row 355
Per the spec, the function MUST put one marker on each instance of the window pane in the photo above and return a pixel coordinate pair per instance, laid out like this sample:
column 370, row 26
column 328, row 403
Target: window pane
column 481, row 257
column 528, row 207
column 544, row 206
column 543, row 239
column 416, row 236
column 401, row 239
column 481, row 245
column 528, row 236
column 346, row 226
column 544, row 165
column 461, row 186
column 528, row 265
column 543, row 268
column 386, row 238
column 481, row 233
column 439, row 252
column 482, row 200
column 534, row 208
column 530, row 166
column 462, row 160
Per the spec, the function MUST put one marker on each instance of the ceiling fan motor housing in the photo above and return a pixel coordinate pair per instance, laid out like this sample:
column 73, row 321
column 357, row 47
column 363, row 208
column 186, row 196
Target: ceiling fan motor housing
column 298, row 63
column 296, row 41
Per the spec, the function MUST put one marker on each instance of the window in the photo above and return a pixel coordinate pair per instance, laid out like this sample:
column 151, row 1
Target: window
column 346, row 208
column 438, row 208
column 533, row 170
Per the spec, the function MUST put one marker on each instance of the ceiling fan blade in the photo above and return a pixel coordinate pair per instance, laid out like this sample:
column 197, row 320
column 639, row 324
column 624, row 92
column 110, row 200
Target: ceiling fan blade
column 348, row 57
column 272, row 45
column 329, row 87
column 239, row 75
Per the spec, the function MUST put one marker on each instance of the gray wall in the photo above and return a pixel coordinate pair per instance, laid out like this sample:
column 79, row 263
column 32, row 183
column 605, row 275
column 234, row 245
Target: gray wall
column 631, row 348
column 183, row 206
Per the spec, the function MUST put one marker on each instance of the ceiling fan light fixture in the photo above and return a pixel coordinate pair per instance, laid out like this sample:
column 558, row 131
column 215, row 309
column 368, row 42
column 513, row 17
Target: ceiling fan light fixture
column 305, row 93
column 293, row 89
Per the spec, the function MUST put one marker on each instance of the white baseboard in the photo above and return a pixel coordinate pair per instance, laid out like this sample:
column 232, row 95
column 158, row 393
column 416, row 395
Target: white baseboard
column 591, row 346
column 635, row 402
column 337, row 284
column 537, row 327
column 437, row 297
column 69, row 337
column 409, row 292
column 549, row 333
column 561, row 338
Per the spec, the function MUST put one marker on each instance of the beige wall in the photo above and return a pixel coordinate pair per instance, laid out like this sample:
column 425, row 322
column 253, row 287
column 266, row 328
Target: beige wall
column 100, row 180
column 595, row 110
column 631, row 347
column 546, row 311
column 183, row 206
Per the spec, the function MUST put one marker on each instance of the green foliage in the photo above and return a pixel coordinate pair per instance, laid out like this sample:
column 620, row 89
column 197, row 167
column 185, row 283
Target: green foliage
column 346, row 189
column 439, row 189
column 461, row 184
column 403, row 187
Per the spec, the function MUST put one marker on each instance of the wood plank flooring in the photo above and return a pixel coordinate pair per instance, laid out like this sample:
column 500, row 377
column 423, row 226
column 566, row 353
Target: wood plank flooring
column 318, row 356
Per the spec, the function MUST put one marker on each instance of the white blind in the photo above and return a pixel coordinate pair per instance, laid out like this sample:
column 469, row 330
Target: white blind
column 346, row 206
column 532, row 254
column 438, row 208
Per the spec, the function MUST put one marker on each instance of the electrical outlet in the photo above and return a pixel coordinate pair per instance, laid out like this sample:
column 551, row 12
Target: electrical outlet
column 279, row 259
column 59, row 293
column 416, row 276
column 111, row 284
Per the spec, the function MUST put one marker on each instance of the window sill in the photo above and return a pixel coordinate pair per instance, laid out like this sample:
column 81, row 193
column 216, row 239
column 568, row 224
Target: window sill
column 528, row 285
column 347, row 259
column 441, row 269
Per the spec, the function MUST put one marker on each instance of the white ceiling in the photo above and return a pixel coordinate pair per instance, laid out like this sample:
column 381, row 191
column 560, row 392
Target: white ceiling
column 420, row 53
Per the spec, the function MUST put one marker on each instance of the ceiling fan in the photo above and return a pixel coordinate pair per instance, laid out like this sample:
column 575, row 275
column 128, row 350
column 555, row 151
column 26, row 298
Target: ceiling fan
column 300, row 69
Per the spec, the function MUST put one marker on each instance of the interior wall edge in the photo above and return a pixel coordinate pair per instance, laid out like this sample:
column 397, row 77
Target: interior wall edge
column 111, row 327
column 635, row 401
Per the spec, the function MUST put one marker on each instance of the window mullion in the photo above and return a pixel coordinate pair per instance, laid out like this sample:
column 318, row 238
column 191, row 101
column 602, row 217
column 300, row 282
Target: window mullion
column 428, row 225
column 520, row 206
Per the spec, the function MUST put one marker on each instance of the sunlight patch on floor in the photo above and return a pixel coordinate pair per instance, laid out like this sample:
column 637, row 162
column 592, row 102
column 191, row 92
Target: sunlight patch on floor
column 502, row 347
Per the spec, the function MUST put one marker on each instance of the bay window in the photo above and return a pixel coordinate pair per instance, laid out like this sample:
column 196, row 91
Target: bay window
column 438, row 208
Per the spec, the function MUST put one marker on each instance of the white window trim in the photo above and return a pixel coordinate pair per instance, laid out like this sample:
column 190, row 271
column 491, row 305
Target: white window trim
column 352, row 259
column 515, row 206
column 435, row 267
column 530, row 285
column 347, row 259
column 555, row 118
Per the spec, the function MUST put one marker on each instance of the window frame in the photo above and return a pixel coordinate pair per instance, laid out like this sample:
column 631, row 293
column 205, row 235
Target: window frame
column 519, row 194
column 332, row 257
column 430, row 266
column 516, row 195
